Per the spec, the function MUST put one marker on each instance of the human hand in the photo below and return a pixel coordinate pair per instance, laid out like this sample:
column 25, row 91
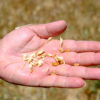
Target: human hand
column 32, row 38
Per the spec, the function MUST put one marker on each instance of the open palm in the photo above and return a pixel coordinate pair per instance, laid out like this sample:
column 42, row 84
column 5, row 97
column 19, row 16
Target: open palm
column 32, row 38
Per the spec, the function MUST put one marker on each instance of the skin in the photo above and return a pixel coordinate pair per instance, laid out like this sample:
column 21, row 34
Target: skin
column 30, row 38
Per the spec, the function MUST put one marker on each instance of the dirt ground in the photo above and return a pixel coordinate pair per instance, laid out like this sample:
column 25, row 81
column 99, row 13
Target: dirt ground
column 83, row 18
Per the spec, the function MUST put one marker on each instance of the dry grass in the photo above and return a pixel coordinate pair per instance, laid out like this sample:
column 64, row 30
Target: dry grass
column 83, row 18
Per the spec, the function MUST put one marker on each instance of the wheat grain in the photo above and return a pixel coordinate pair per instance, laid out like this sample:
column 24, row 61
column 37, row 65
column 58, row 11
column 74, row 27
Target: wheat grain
column 61, row 41
column 76, row 64
column 50, row 38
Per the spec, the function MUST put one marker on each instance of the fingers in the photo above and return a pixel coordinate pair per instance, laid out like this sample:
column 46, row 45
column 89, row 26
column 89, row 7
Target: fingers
column 77, row 46
column 88, row 58
column 49, row 30
column 81, row 46
column 74, row 46
column 61, row 81
column 85, row 58
column 76, row 71
column 43, row 77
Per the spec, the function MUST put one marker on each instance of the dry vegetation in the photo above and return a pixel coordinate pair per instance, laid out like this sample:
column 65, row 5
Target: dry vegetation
column 83, row 18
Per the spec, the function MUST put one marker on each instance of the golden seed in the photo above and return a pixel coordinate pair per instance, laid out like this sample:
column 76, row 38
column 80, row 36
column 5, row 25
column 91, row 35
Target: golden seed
column 58, row 58
column 61, row 41
column 53, row 73
column 50, row 38
column 17, row 27
column 49, row 55
column 76, row 64
column 61, row 62
column 67, row 50
column 55, row 64
column 61, row 50
column 25, row 56
column 33, row 54
column 29, row 60
column 40, row 52
column 40, row 63
column 35, row 59
column 43, row 55
column 30, row 65
column 54, row 55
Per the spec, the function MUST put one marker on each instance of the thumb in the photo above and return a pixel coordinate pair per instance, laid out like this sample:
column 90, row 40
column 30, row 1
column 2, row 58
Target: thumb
column 49, row 30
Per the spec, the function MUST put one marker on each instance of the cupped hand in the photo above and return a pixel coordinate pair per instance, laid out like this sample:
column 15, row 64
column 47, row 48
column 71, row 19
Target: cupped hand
column 30, row 38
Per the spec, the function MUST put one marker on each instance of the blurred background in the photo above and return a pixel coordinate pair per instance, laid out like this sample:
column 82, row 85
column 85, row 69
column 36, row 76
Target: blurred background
column 83, row 18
